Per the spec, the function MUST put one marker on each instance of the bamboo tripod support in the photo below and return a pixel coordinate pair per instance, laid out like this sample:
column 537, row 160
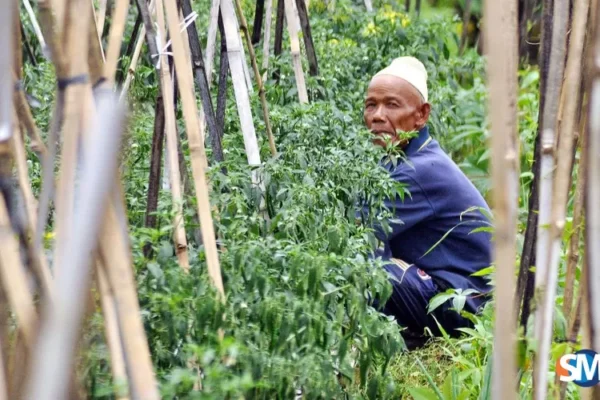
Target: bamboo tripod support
column 198, row 156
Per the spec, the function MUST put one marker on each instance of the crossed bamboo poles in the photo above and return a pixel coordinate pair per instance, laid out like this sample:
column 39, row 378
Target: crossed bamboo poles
column 85, row 109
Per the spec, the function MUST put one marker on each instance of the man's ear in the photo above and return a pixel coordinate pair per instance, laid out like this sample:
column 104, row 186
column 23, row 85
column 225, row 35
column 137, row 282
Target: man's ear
column 423, row 117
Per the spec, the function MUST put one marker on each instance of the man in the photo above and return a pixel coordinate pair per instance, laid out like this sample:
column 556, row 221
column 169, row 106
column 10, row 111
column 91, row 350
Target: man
column 433, row 247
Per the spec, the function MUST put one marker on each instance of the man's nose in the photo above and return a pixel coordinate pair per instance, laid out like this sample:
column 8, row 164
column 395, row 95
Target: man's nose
column 378, row 115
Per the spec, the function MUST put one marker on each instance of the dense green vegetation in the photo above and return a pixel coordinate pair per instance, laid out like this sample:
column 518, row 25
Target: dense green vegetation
column 296, row 315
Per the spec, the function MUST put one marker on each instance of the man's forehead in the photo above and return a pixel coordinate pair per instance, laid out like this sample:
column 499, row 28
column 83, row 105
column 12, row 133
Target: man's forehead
column 391, row 85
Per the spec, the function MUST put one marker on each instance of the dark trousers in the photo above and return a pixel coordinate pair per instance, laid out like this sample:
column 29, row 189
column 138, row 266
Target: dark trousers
column 412, row 290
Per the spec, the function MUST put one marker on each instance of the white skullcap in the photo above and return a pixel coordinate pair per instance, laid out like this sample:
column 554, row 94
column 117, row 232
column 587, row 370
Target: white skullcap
column 411, row 70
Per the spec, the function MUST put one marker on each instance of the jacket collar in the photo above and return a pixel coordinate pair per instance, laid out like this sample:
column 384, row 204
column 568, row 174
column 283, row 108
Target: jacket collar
column 418, row 142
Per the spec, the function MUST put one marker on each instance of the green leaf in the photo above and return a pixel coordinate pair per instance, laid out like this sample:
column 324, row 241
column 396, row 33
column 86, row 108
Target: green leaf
column 485, row 271
column 459, row 302
column 422, row 394
column 438, row 300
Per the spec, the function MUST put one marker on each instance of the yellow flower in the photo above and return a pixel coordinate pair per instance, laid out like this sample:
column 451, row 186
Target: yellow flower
column 333, row 41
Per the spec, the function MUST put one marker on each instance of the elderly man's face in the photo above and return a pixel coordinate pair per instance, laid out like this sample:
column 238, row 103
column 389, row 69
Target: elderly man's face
column 393, row 105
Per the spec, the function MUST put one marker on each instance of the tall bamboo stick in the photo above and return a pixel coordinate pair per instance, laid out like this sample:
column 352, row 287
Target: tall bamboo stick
column 555, row 73
column 234, row 56
column 117, row 28
column 171, row 135
column 267, row 37
column 134, row 61
column 101, row 16
column 593, row 193
column 545, row 312
column 502, row 74
column 34, row 23
column 113, row 336
column 293, row 29
column 198, row 156
column 302, row 8
column 257, row 76
column 211, row 42
column 259, row 15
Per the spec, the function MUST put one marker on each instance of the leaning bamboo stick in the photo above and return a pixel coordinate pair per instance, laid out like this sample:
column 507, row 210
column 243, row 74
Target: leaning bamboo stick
column 116, row 36
column 14, row 279
column 257, row 76
column 502, row 76
column 62, row 319
column 37, row 258
column 179, row 236
column 113, row 335
column 239, row 85
column 116, row 258
column 562, row 180
column 101, row 16
column 293, row 29
column 134, row 62
column 198, row 156
column 34, row 23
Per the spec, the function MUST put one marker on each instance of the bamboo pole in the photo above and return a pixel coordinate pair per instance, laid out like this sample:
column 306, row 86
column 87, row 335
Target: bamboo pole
column 211, row 42
column 502, row 76
column 101, row 16
column 302, row 9
column 134, row 62
column 113, row 335
column 37, row 259
column 14, row 279
column 79, row 19
column 572, row 83
column 117, row 28
column 259, row 16
column 239, row 85
column 267, row 37
column 257, row 76
column 35, row 25
column 198, row 156
column 593, row 194
column 293, row 29
column 179, row 235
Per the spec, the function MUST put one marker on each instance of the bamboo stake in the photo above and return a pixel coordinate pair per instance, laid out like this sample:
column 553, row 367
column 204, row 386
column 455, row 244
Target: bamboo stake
column 573, row 250
column 572, row 83
column 38, row 261
column 502, row 75
column 79, row 17
column 179, row 236
column 116, row 36
column 293, row 30
column 267, row 37
column 212, row 40
column 34, row 23
column 198, row 156
column 101, row 16
column 259, row 15
column 368, row 5
column 134, row 61
column 237, row 76
column 257, row 76
column 61, row 322
column 14, row 280
column 249, row 85
column 96, row 51
column 116, row 258
column 278, row 44
column 313, row 66
column 113, row 336
column 593, row 194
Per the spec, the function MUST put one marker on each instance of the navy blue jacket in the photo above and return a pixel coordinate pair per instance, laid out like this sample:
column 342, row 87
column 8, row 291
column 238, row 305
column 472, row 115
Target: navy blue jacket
column 435, row 211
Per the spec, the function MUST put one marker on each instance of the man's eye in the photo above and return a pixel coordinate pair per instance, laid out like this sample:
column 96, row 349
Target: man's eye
column 393, row 104
column 369, row 106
